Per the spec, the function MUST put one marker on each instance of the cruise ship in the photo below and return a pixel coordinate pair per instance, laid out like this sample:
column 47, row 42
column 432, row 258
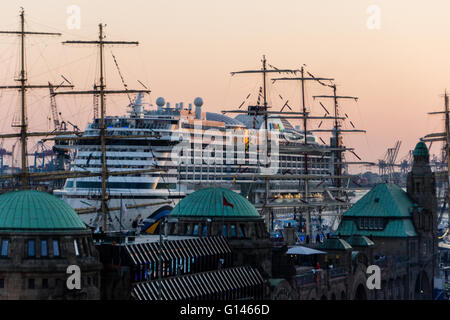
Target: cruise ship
column 192, row 149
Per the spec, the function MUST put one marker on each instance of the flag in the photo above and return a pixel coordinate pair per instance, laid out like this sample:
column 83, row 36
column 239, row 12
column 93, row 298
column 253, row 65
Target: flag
column 226, row 203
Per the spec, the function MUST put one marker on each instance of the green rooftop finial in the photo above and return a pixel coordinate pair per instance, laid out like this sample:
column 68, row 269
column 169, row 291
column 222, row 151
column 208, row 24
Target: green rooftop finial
column 420, row 149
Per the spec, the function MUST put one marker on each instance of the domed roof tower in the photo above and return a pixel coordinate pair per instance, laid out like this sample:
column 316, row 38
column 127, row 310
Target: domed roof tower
column 36, row 211
column 40, row 237
column 222, row 212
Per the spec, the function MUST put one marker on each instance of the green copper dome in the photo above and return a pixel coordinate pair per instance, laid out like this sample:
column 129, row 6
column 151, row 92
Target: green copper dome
column 215, row 203
column 35, row 211
column 421, row 149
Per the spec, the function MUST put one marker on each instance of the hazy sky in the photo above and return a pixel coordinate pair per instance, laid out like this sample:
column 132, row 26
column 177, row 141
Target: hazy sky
column 188, row 48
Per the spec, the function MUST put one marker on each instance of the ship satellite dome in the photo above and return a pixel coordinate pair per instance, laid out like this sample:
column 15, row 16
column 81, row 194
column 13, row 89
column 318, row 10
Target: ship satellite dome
column 198, row 102
column 160, row 102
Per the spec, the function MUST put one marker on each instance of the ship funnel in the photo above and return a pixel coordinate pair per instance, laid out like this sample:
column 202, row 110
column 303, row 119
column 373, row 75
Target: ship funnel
column 198, row 102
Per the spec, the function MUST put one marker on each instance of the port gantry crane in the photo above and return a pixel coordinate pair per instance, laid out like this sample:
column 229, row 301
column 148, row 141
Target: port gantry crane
column 387, row 165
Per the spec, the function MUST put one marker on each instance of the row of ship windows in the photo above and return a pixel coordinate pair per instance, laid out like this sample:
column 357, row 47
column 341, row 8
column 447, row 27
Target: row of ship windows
column 44, row 248
column 114, row 158
column 120, row 185
column 110, row 166
column 282, row 159
column 136, row 124
column 115, row 150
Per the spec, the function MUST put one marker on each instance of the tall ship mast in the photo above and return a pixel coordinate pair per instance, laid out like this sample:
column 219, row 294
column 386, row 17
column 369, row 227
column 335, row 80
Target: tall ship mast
column 332, row 202
column 34, row 179
column 23, row 87
column 442, row 176
column 101, row 91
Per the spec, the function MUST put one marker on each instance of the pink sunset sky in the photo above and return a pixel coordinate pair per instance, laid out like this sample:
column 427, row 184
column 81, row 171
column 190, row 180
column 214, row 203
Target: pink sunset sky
column 188, row 49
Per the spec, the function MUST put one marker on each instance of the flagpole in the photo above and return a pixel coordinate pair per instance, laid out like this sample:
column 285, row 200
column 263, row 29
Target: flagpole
column 120, row 219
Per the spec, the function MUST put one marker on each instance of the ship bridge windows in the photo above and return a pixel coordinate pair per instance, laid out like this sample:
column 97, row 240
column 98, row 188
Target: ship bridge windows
column 69, row 184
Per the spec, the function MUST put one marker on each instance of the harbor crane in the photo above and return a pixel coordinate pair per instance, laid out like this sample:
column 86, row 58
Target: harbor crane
column 387, row 165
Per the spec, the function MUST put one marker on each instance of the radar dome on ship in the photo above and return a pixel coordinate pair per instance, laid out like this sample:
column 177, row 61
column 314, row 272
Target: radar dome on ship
column 198, row 102
column 160, row 102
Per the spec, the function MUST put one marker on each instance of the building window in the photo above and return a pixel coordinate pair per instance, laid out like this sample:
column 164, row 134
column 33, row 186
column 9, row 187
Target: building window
column 85, row 247
column 31, row 248
column 233, row 231
column 44, row 283
column 242, row 231
column 44, row 248
column 369, row 223
column 56, row 248
column 225, row 231
column 75, row 245
column 2, row 283
column 30, row 283
column 205, row 231
column 5, row 245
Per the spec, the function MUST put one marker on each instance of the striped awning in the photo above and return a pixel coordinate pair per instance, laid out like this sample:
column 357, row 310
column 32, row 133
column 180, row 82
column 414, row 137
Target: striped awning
column 143, row 253
column 231, row 283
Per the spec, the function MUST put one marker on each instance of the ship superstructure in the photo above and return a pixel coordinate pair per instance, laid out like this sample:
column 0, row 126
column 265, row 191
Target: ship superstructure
column 192, row 149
